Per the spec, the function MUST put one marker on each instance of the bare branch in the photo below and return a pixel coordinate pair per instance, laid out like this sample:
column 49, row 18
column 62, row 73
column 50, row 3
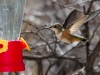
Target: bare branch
column 46, row 57
column 92, row 58
column 94, row 32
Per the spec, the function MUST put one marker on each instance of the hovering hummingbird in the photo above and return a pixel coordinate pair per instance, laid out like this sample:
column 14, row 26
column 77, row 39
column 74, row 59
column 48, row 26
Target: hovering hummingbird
column 66, row 32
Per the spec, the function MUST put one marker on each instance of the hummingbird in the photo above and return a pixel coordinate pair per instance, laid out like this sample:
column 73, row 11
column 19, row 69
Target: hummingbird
column 67, row 31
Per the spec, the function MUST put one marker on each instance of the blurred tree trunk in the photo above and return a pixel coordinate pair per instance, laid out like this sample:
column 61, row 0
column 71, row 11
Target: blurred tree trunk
column 40, row 67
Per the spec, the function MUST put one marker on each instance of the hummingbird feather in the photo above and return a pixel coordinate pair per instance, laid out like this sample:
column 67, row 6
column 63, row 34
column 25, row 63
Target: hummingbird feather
column 79, row 37
column 77, row 24
column 70, row 19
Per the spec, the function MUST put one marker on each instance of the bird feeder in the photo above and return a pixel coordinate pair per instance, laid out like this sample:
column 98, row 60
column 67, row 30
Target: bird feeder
column 11, row 46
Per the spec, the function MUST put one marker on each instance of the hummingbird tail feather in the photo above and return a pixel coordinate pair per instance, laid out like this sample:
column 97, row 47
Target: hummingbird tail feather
column 81, row 38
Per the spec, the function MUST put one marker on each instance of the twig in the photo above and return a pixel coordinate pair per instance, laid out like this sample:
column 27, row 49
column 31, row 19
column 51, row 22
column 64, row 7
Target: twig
column 70, row 5
column 94, row 32
column 50, row 66
column 46, row 57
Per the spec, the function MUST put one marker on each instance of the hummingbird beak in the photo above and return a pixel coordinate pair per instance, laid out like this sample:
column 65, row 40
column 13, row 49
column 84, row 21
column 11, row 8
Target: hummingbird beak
column 44, row 28
column 50, row 27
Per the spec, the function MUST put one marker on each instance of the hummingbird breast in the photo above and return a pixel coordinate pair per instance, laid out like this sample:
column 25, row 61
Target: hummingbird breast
column 62, row 38
column 66, row 37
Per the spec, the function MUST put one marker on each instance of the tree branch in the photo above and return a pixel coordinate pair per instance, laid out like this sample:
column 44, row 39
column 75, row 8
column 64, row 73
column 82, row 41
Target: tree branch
column 92, row 57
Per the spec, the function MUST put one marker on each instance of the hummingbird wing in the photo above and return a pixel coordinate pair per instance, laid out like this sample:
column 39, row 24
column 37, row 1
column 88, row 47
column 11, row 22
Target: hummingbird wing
column 71, row 17
column 77, row 24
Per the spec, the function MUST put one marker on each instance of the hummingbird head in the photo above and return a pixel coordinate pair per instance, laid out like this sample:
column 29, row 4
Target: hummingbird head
column 57, row 28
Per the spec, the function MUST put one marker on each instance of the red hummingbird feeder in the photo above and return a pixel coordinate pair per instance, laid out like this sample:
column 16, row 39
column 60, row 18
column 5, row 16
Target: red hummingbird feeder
column 11, row 46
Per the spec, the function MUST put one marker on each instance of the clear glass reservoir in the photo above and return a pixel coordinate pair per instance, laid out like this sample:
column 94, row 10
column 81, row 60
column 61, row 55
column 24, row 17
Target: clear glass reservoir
column 11, row 13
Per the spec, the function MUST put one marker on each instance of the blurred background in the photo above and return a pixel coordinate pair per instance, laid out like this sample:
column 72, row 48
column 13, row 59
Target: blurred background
column 48, row 55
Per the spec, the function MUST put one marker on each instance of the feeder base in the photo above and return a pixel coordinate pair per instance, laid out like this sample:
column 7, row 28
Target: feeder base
column 12, row 68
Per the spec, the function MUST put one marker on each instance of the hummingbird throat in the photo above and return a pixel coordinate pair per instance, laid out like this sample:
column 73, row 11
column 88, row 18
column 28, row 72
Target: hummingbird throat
column 59, row 30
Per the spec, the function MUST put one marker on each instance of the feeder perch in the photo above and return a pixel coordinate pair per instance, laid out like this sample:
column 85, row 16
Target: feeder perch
column 11, row 46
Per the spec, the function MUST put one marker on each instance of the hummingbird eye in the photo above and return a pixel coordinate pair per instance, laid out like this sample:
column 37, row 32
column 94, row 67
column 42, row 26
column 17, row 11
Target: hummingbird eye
column 55, row 26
